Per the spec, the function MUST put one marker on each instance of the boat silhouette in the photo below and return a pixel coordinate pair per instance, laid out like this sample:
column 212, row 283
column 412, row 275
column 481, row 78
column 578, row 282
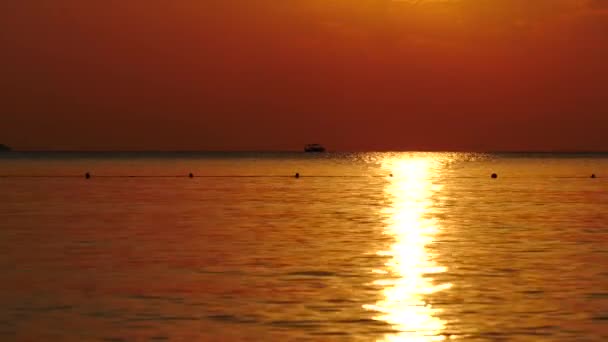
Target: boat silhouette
column 314, row 148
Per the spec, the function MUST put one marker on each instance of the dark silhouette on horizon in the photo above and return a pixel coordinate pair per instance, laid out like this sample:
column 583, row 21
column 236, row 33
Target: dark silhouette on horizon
column 314, row 148
column 5, row 148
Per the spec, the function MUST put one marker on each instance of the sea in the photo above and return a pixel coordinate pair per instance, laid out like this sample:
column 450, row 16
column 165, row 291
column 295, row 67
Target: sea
column 392, row 246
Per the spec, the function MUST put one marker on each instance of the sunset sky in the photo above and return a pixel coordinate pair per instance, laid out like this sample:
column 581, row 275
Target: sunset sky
column 276, row 74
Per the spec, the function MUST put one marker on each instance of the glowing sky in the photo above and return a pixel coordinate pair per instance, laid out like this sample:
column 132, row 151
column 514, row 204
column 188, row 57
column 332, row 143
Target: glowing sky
column 276, row 74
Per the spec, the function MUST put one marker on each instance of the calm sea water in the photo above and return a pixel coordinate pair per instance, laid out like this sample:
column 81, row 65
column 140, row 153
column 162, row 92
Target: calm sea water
column 347, row 252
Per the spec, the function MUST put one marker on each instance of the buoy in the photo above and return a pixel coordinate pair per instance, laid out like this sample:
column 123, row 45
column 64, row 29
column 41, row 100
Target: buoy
column 593, row 175
column 391, row 175
column 297, row 175
column 494, row 176
column 87, row 175
column 191, row 175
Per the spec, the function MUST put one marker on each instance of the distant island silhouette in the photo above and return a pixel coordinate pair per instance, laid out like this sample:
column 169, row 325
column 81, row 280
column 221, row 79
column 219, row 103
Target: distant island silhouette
column 5, row 148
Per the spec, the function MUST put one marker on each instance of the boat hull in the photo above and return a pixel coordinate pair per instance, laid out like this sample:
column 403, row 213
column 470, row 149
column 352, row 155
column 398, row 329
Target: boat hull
column 314, row 148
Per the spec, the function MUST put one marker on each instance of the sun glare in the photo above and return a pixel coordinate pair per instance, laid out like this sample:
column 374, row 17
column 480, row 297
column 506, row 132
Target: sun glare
column 410, row 267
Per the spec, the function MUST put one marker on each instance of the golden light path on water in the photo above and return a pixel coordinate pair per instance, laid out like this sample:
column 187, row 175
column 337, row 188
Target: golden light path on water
column 411, row 265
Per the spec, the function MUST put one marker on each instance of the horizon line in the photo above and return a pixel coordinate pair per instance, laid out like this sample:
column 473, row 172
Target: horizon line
column 301, row 151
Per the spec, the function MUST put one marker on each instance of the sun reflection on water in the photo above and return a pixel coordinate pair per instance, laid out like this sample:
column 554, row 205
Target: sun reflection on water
column 408, row 273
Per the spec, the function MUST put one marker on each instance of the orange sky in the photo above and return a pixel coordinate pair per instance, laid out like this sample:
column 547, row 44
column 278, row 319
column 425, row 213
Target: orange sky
column 276, row 74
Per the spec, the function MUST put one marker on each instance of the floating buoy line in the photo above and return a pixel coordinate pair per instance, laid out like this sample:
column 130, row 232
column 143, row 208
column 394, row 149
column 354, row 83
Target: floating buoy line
column 297, row 175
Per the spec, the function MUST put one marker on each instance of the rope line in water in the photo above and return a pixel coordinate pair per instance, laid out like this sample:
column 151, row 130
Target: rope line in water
column 297, row 175
column 186, row 176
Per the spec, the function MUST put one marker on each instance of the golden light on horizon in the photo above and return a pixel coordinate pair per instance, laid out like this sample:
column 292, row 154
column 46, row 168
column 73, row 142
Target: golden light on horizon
column 407, row 272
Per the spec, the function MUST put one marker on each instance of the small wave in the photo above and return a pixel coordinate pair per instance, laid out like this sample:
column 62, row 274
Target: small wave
column 597, row 295
column 364, row 321
column 160, row 318
column 160, row 298
column 297, row 323
column 45, row 308
column 330, row 333
column 313, row 274
column 232, row 319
